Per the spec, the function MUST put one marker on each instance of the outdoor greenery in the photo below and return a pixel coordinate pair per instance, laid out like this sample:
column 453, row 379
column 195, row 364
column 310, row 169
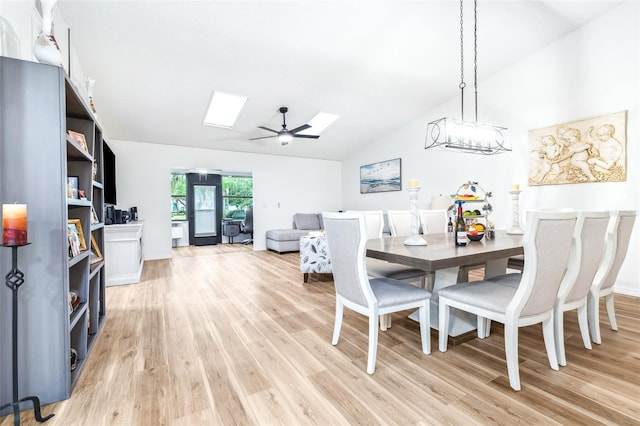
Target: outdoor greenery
column 237, row 195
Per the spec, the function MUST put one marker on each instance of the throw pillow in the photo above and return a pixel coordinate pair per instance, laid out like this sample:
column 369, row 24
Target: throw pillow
column 306, row 221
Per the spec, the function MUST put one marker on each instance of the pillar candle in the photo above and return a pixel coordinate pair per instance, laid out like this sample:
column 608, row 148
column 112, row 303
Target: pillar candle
column 14, row 224
column 413, row 183
column 515, row 187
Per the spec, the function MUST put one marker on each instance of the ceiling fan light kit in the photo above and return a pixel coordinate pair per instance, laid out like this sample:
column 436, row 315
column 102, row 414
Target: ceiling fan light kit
column 285, row 136
column 467, row 136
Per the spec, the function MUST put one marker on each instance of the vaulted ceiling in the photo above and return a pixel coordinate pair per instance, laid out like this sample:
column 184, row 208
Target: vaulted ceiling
column 378, row 64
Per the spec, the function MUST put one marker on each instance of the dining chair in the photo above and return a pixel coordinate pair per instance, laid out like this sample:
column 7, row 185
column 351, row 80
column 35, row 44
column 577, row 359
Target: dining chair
column 616, row 245
column 586, row 252
column 372, row 297
column 399, row 222
column 547, row 242
column 377, row 268
column 433, row 221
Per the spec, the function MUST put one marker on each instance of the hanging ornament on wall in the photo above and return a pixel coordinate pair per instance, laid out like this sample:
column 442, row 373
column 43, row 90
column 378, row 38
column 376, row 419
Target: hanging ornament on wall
column 46, row 48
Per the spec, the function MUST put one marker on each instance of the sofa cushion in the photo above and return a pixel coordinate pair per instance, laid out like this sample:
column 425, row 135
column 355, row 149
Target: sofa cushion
column 307, row 221
column 286, row 234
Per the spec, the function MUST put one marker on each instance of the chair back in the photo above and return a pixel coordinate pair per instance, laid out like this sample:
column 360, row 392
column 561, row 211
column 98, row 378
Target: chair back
column 347, row 237
column 587, row 250
column 248, row 221
column 399, row 222
column 616, row 246
column 547, row 242
column 374, row 220
column 433, row 221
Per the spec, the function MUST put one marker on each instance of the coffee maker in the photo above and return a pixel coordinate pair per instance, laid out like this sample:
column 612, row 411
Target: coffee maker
column 133, row 214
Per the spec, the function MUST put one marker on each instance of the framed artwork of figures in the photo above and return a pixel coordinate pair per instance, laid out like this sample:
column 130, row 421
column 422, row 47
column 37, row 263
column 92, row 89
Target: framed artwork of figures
column 584, row 151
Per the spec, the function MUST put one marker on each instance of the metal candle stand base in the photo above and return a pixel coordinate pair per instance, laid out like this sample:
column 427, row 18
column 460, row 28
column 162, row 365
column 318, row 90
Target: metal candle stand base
column 14, row 279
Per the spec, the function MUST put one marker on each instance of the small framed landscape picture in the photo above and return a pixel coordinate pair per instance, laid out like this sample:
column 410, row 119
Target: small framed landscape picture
column 381, row 177
column 72, row 186
column 79, row 139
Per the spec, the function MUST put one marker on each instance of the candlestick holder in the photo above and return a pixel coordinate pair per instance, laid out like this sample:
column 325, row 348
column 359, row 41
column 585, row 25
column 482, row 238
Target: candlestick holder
column 414, row 239
column 14, row 279
column 515, row 226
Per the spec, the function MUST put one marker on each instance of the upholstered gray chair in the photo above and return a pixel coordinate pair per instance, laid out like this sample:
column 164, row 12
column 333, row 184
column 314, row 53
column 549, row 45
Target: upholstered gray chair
column 618, row 237
column 399, row 222
column 377, row 268
column 547, row 242
column 588, row 248
column 433, row 221
column 347, row 238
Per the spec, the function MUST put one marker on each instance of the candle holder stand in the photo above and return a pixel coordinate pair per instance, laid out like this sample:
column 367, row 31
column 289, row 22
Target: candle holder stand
column 515, row 226
column 14, row 279
column 414, row 239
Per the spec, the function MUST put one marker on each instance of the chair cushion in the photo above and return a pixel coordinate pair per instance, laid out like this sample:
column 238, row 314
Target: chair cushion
column 390, row 292
column 511, row 280
column 308, row 221
column 380, row 269
column 483, row 294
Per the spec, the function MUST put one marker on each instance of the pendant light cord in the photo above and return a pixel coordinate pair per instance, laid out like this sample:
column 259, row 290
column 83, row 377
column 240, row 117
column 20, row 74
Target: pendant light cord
column 462, row 83
column 475, row 54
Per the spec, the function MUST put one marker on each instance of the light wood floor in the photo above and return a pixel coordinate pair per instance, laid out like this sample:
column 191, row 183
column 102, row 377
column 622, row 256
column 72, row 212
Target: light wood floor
column 222, row 335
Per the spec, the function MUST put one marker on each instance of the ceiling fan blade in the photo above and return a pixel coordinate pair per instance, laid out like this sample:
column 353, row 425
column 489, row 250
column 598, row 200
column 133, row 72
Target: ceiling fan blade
column 301, row 128
column 268, row 129
column 306, row 136
column 263, row 137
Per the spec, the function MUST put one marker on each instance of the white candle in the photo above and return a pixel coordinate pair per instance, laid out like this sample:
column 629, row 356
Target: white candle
column 14, row 224
column 413, row 183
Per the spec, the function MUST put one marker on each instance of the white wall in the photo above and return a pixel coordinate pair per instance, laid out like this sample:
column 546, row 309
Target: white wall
column 590, row 72
column 282, row 186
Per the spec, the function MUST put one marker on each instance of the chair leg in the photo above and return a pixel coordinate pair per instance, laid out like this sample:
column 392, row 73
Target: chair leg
column 549, row 342
column 305, row 277
column 584, row 326
column 558, row 332
column 511, row 351
column 385, row 322
column 338, row 323
column 481, row 327
column 608, row 301
column 593, row 312
column 425, row 327
column 443, row 325
column 373, row 343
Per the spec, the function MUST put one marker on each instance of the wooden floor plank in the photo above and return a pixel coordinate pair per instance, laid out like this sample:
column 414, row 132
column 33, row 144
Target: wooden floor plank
column 223, row 335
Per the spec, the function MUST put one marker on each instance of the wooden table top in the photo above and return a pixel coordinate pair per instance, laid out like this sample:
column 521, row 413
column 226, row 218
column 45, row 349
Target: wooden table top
column 441, row 251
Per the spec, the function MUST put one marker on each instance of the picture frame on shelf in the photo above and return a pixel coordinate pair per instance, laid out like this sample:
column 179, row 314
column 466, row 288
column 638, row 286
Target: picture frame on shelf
column 79, row 139
column 96, row 254
column 72, row 186
column 73, row 241
column 75, row 225
column 94, row 216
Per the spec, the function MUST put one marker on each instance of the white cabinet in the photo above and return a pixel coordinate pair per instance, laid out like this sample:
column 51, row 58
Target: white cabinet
column 124, row 243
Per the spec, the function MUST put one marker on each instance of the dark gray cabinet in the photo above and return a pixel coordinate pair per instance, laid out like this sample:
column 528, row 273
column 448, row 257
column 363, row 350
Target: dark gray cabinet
column 38, row 106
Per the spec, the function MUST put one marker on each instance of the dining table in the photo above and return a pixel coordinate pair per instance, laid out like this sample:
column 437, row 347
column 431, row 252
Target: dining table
column 447, row 264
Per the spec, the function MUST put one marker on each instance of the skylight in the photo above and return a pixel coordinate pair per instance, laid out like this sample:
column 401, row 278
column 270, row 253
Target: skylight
column 319, row 123
column 224, row 109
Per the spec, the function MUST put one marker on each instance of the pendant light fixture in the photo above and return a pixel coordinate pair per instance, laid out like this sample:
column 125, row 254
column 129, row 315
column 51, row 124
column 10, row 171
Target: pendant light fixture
column 467, row 136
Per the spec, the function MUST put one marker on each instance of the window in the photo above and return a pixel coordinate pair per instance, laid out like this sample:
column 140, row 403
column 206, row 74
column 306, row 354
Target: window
column 237, row 195
column 178, row 196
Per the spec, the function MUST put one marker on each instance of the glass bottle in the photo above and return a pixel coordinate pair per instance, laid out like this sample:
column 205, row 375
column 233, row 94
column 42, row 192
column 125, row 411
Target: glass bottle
column 461, row 228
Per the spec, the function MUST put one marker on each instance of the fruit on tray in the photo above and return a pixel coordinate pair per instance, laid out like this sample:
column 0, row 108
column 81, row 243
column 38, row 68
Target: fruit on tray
column 478, row 227
column 467, row 197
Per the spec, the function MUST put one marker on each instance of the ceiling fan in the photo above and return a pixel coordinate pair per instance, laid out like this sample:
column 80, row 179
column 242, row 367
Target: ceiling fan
column 285, row 135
